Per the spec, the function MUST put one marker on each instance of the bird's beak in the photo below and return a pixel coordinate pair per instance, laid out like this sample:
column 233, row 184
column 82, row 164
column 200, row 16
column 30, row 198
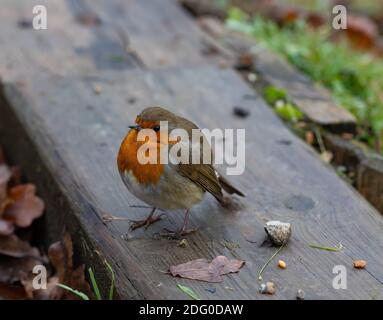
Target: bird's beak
column 136, row 127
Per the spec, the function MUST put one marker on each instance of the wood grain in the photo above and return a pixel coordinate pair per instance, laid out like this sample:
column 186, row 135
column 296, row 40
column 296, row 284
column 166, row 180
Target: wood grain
column 73, row 133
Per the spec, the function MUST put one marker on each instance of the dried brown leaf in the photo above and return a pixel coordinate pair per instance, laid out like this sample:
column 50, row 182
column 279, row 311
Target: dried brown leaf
column 76, row 280
column 201, row 269
column 11, row 292
column 60, row 255
column 52, row 291
column 362, row 31
column 26, row 206
column 13, row 246
column 6, row 228
column 13, row 270
column 5, row 175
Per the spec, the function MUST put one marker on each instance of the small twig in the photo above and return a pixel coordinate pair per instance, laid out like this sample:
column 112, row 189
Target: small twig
column 108, row 218
column 268, row 261
column 338, row 248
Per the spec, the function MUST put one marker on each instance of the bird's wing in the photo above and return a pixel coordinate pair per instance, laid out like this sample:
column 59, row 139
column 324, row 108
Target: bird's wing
column 204, row 176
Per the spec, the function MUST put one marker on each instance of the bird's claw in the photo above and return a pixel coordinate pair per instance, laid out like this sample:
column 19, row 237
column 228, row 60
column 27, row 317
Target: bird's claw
column 176, row 234
column 136, row 224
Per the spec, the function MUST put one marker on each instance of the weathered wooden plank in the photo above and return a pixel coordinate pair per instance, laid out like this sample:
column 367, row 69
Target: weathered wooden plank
column 66, row 47
column 131, row 34
column 366, row 165
column 370, row 181
column 314, row 101
column 161, row 33
column 76, row 134
column 286, row 182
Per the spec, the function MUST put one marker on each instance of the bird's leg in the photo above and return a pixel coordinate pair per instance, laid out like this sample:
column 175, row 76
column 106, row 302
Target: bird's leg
column 150, row 219
column 182, row 232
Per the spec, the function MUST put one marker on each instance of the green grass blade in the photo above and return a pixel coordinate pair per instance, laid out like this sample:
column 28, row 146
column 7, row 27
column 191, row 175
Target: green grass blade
column 112, row 285
column 94, row 284
column 188, row 291
column 338, row 248
column 82, row 295
column 268, row 261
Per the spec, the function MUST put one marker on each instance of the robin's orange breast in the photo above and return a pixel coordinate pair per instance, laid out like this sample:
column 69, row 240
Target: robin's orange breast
column 127, row 160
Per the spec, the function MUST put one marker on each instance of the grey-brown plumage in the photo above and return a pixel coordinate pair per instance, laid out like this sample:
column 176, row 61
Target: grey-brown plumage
column 204, row 175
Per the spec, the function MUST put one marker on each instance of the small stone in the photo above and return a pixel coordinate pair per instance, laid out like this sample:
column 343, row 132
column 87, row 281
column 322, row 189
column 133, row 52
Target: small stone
column 252, row 77
column 267, row 288
column 300, row 294
column 97, row 89
column 279, row 232
column 360, row 264
column 183, row 243
column 281, row 264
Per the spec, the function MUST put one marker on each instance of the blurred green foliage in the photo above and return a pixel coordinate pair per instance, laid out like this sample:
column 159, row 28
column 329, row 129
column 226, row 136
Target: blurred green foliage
column 355, row 79
column 283, row 107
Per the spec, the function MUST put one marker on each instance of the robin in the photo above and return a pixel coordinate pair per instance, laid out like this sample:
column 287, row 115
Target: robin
column 167, row 185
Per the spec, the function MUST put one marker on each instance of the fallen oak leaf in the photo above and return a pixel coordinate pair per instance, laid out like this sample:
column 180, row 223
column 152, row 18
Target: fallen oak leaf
column 201, row 269
column 26, row 206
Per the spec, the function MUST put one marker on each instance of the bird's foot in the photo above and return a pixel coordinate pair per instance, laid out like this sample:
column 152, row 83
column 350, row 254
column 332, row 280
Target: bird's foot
column 176, row 234
column 145, row 222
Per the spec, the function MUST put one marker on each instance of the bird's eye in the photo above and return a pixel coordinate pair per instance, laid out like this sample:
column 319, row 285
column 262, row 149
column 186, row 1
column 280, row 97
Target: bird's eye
column 156, row 128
